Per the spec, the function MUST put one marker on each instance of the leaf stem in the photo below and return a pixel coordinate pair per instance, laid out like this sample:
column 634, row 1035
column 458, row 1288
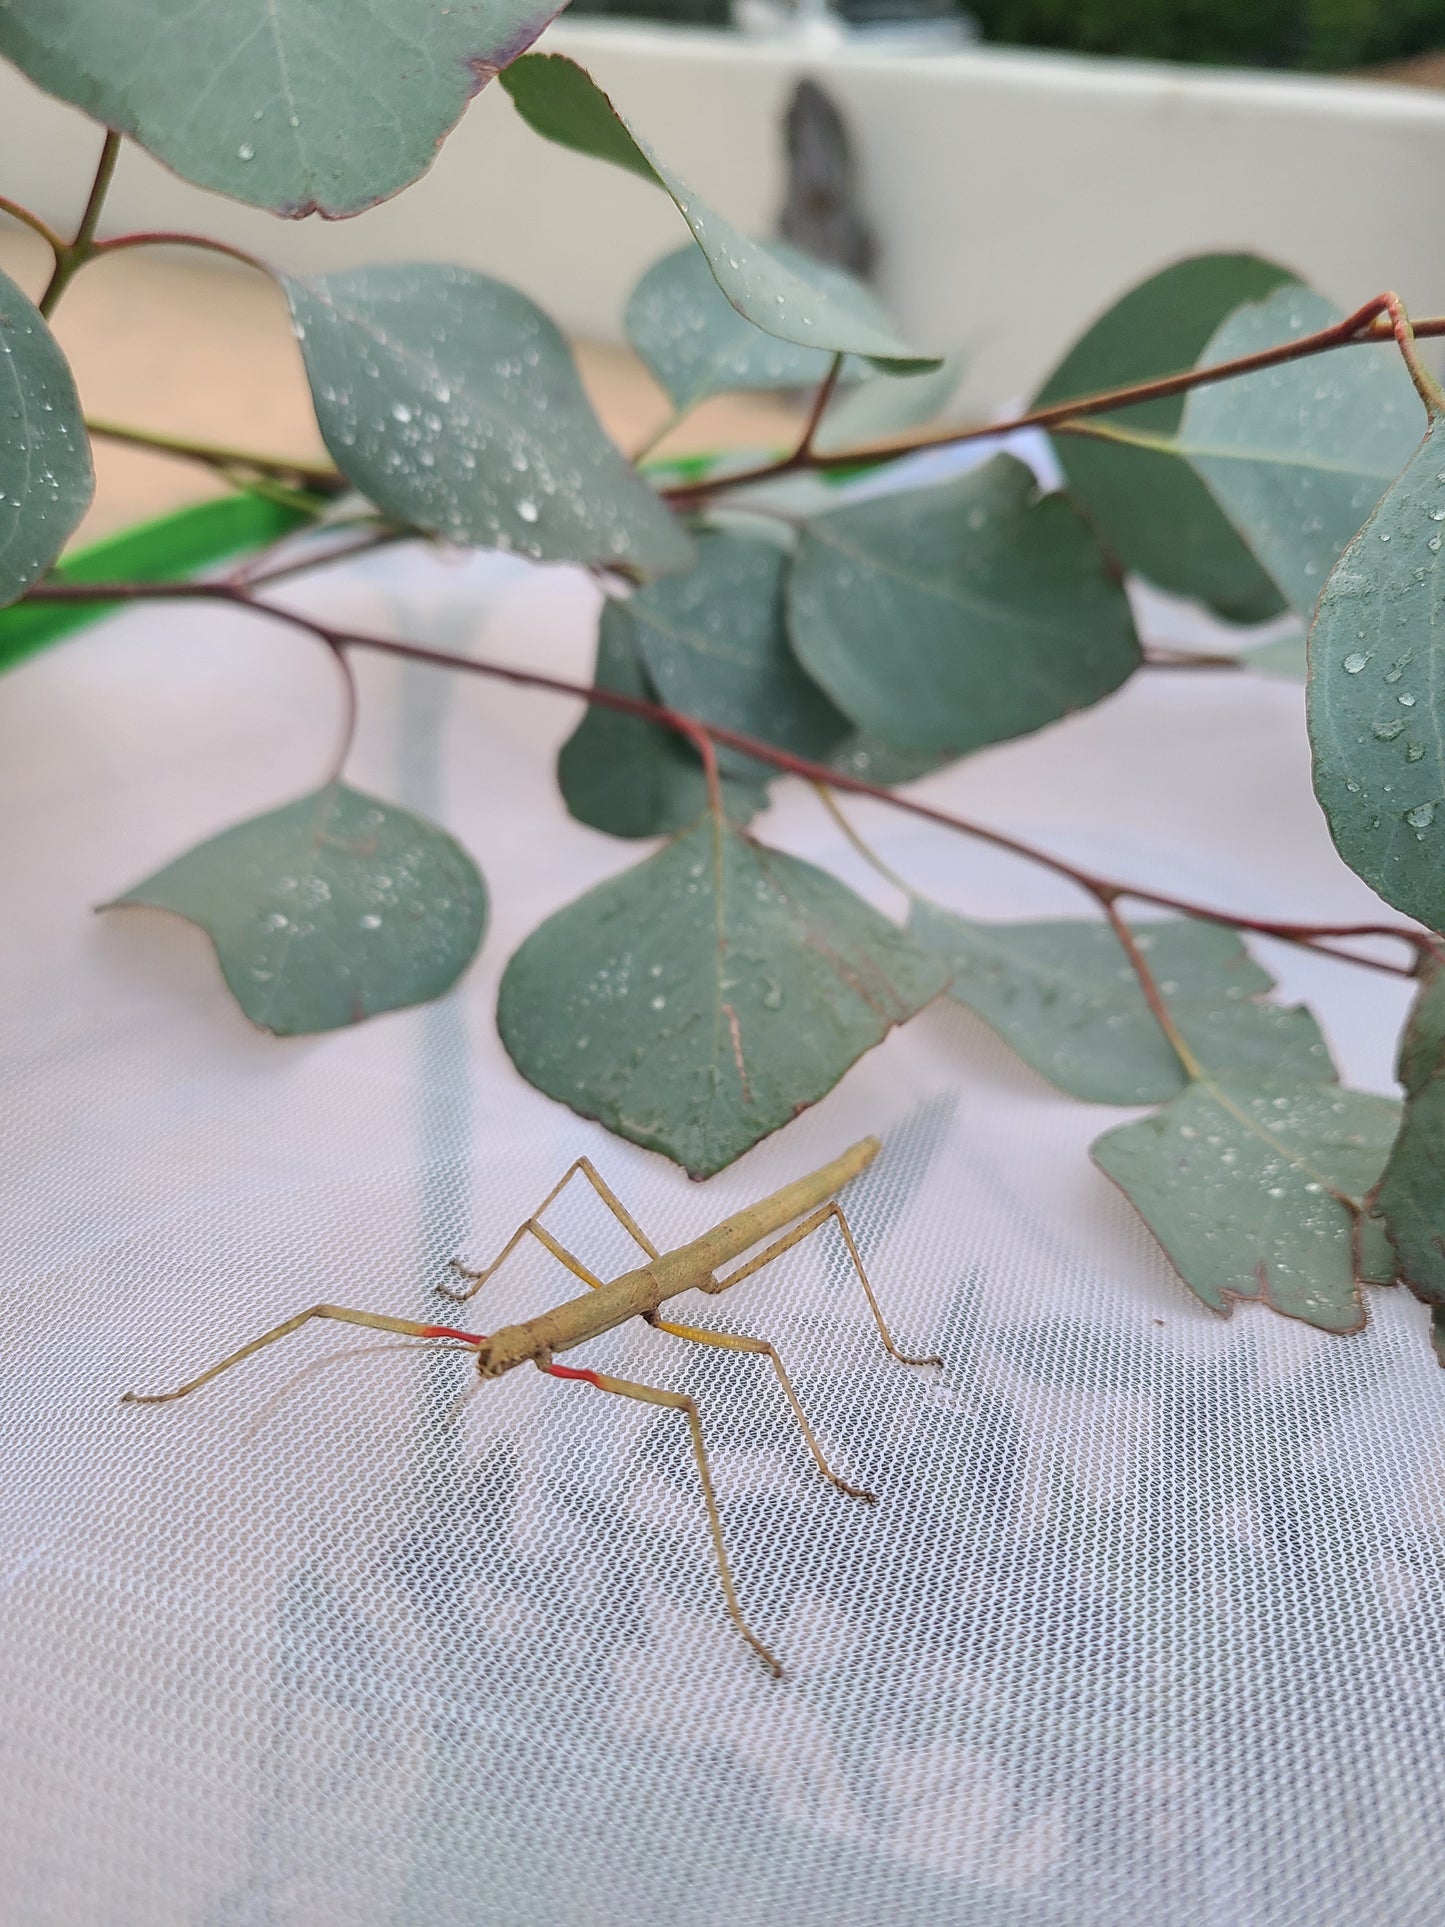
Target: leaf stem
column 68, row 259
column 316, row 476
column 177, row 238
column 22, row 214
column 869, row 855
column 1426, row 386
column 707, row 737
column 349, row 710
column 826, row 389
column 1149, row 984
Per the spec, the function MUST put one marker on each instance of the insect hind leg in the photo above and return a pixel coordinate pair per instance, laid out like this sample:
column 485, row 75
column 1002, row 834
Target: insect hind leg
column 534, row 1227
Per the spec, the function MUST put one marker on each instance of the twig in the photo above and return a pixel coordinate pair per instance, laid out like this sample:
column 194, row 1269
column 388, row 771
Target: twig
column 316, row 476
column 74, row 256
column 1309, row 936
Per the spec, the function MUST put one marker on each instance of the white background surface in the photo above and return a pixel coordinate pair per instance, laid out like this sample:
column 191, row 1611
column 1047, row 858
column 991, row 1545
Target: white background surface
column 1145, row 1624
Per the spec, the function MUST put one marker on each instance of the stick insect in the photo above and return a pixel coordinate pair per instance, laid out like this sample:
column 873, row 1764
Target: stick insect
column 805, row 1206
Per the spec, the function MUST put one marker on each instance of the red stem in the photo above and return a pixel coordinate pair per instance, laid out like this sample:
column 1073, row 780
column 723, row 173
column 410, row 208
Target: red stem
column 706, row 737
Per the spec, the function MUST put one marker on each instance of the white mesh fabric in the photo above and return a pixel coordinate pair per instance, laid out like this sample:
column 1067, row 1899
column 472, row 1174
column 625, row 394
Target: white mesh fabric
column 1143, row 1625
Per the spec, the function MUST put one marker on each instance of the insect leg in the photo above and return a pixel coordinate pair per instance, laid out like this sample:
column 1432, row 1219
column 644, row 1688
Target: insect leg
column 372, row 1319
column 534, row 1226
column 814, row 1222
column 679, row 1401
column 738, row 1342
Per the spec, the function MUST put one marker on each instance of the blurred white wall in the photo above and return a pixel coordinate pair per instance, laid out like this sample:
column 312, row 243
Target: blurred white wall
column 1013, row 193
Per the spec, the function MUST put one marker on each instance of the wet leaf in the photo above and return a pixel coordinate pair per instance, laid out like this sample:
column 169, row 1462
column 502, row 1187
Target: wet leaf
column 949, row 617
column 715, row 646
column 1437, row 1333
column 629, row 777
column 1245, row 1186
column 1155, row 514
column 867, row 756
column 1065, row 996
column 695, row 1003
column 300, row 106
column 46, row 480
column 453, row 403
column 1376, row 693
column 1411, row 1193
column 1298, row 455
column 697, row 343
column 328, row 910
column 786, row 297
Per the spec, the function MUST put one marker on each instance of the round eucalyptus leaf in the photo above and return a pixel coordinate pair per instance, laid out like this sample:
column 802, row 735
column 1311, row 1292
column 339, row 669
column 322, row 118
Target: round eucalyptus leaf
column 328, row 910
column 300, row 106
column 697, row 1002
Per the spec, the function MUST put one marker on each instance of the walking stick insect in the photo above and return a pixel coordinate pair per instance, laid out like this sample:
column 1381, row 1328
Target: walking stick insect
column 805, row 1205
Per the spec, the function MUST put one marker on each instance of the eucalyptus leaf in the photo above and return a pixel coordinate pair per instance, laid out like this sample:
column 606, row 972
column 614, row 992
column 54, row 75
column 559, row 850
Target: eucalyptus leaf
column 1066, row 997
column 1150, row 509
column 698, row 344
column 1297, row 455
column 697, row 1002
column 1252, row 1190
column 300, row 106
column 867, row 756
column 453, row 403
column 949, row 617
column 1411, row 1193
column 788, row 297
column 715, row 645
column 46, row 480
column 1437, row 1333
column 630, row 777
column 328, row 910
column 1376, row 693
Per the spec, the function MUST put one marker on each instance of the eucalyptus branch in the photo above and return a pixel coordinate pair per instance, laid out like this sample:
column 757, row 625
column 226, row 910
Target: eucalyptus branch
column 69, row 258
column 1321, row 937
column 315, row 476
column 1378, row 320
column 18, row 212
column 178, row 238
column 826, row 389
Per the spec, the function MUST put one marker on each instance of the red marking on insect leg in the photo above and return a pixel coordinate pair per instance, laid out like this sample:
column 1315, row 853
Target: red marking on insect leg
column 449, row 1331
column 570, row 1371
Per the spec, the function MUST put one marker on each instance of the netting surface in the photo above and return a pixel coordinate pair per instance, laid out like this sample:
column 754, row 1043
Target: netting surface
column 1145, row 1624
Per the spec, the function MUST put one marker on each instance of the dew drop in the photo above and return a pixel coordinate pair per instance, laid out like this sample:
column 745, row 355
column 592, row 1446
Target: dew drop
column 1421, row 817
column 246, row 151
column 1354, row 662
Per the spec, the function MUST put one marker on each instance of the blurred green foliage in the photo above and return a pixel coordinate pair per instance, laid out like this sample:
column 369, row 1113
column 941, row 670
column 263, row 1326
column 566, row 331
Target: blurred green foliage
column 1321, row 34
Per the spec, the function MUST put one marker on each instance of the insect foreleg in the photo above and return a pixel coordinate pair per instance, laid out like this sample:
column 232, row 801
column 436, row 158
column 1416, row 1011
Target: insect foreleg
column 538, row 1230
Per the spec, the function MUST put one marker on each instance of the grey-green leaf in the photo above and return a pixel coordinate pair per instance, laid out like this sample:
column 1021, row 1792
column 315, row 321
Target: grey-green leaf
column 46, row 480
column 698, row 344
column 1376, row 693
column 787, row 298
column 1245, row 1188
column 300, row 106
column 1064, row 995
column 715, row 645
column 949, row 617
column 1298, row 455
column 453, row 403
column 627, row 776
column 328, row 910
column 1152, row 511
column 1411, row 1193
column 695, row 1003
